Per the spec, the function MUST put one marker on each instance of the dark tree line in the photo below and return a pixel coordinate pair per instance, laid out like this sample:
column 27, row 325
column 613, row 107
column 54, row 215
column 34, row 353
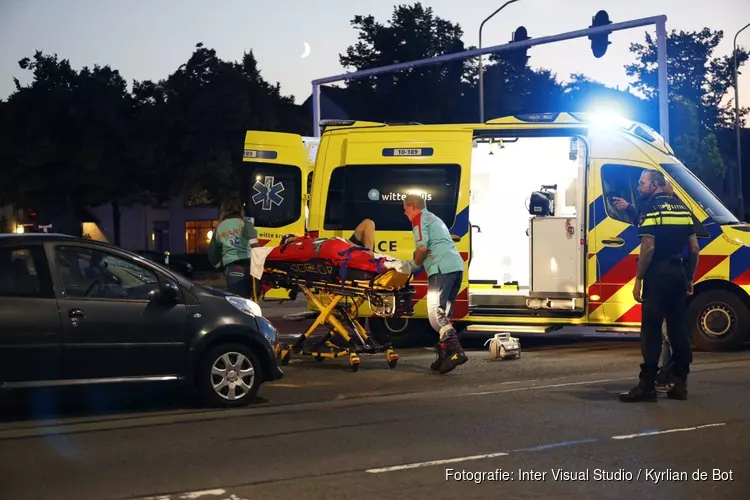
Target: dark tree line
column 77, row 138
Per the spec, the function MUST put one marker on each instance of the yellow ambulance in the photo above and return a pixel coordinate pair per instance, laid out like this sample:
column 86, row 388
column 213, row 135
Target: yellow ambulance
column 530, row 202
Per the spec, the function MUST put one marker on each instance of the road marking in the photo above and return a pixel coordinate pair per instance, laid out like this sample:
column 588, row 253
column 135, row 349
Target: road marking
column 435, row 462
column 191, row 495
column 555, row 445
column 668, row 431
column 549, row 386
column 541, row 447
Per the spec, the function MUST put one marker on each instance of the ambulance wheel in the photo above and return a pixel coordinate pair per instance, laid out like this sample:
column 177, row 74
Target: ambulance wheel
column 718, row 320
column 400, row 332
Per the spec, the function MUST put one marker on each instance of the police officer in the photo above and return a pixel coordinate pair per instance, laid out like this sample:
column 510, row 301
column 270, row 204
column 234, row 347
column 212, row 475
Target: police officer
column 662, row 284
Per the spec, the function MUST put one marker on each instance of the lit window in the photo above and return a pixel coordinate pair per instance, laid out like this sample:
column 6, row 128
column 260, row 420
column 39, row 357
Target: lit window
column 198, row 235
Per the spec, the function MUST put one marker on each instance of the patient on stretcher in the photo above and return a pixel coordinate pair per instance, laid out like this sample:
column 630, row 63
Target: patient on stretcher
column 352, row 259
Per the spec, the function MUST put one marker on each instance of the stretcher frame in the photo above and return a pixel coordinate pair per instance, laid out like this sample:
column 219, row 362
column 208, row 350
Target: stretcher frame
column 385, row 295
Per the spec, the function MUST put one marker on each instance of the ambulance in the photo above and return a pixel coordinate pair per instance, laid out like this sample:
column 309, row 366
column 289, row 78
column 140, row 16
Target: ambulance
column 529, row 201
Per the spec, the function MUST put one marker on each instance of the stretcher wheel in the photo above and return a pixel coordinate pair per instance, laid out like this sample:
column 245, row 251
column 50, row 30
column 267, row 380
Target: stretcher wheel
column 319, row 358
column 285, row 355
column 354, row 362
column 392, row 363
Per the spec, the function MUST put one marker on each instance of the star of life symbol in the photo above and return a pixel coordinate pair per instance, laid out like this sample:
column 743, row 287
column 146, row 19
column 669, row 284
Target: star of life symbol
column 268, row 193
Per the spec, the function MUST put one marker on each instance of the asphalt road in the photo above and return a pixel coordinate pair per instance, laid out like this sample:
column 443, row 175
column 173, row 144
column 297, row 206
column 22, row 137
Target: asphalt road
column 324, row 432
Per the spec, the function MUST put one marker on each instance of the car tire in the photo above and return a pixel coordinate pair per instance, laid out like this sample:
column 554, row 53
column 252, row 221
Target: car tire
column 718, row 320
column 229, row 376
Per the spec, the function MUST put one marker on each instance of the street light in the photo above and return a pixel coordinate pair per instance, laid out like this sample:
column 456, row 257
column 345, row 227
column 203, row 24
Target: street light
column 740, row 198
column 481, row 65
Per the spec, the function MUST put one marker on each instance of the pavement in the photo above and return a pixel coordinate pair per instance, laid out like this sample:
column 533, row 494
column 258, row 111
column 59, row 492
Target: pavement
column 547, row 425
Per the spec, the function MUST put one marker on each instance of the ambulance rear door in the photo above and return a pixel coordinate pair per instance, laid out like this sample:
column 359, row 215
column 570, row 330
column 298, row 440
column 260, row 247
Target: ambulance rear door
column 372, row 170
column 275, row 175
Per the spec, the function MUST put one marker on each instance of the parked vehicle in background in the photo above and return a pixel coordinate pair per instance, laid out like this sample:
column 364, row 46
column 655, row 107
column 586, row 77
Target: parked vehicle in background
column 75, row 311
column 176, row 265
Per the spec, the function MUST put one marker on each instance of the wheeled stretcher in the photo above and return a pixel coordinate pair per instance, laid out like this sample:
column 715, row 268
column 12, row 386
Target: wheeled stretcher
column 338, row 279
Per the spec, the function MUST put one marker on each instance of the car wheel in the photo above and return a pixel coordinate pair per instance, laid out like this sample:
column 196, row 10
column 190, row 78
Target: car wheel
column 718, row 320
column 229, row 376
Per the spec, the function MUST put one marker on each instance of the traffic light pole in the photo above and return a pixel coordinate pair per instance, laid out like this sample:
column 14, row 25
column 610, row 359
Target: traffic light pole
column 661, row 43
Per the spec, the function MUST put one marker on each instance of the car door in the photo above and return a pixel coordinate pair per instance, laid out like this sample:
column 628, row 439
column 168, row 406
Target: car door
column 111, row 328
column 30, row 330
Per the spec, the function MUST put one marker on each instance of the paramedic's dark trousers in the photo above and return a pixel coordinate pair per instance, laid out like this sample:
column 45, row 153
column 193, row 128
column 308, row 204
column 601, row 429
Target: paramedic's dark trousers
column 664, row 298
column 442, row 290
column 239, row 281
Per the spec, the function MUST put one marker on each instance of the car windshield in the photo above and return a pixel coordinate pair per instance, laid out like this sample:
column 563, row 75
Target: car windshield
column 700, row 193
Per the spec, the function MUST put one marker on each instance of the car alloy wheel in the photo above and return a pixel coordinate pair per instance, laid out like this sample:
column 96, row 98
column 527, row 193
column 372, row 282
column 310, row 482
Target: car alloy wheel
column 232, row 376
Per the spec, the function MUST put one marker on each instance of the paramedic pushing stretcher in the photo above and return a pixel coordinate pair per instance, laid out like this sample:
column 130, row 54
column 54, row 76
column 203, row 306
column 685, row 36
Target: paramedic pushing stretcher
column 231, row 246
column 665, row 227
column 437, row 252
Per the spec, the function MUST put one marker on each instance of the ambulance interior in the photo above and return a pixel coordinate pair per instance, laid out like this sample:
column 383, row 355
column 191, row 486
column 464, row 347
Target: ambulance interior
column 526, row 212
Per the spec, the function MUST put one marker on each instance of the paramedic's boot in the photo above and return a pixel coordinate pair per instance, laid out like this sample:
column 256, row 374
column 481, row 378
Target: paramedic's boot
column 643, row 392
column 455, row 355
column 678, row 390
column 664, row 380
column 442, row 354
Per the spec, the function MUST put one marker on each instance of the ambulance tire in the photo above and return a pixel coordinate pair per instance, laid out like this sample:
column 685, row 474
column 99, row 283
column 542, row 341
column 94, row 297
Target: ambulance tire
column 401, row 332
column 718, row 320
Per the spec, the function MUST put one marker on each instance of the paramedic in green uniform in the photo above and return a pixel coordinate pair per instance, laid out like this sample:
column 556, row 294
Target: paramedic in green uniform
column 665, row 228
column 437, row 253
column 230, row 247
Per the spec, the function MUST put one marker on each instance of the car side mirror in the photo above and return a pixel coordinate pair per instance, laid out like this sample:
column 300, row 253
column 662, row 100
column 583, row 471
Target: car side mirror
column 167, row 292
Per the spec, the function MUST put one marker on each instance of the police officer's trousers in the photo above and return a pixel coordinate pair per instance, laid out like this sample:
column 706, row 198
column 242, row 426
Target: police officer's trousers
column 665, row 298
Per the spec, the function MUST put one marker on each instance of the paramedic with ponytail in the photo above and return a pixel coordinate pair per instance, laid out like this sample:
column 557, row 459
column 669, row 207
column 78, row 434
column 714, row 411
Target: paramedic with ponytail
column 231, row 246
column 437, row 253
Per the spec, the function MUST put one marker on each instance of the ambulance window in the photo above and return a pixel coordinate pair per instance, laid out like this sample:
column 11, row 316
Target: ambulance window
column 700, row 194
column 273, row 194
column 376, row 192
column 620, row 181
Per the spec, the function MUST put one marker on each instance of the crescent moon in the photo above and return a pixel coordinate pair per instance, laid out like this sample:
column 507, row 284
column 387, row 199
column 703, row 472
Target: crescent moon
column 307, row 50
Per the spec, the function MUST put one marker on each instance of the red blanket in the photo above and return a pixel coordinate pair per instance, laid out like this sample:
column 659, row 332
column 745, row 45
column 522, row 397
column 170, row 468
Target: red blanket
column 334, row 252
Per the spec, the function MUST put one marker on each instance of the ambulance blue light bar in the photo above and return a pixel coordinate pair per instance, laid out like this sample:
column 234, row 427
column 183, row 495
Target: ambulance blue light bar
column 257, row 154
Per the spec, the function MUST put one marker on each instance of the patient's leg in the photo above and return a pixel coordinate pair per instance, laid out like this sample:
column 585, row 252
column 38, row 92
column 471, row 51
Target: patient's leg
column 364, row 235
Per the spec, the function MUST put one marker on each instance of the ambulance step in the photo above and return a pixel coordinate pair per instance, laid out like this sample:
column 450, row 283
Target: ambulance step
column 511, row 328
column 523, row 312
column 619, row 329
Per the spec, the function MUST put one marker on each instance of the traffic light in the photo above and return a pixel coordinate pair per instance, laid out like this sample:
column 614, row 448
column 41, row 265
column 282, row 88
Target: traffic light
column 599, row 43
column 518, row 57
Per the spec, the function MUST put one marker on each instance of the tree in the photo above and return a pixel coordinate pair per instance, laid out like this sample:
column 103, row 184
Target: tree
column 68, row 140
column 698, row 87
column 206, row 106
column 428, row 94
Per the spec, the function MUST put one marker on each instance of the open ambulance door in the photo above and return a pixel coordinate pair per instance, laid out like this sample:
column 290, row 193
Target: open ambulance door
column 276, row 174
column 371, row 171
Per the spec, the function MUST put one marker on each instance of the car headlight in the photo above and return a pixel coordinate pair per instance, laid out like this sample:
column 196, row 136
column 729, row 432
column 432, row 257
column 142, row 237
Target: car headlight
column 247, row 306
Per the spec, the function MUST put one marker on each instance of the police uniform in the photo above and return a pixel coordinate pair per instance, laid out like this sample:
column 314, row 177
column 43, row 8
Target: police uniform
column 664, row 293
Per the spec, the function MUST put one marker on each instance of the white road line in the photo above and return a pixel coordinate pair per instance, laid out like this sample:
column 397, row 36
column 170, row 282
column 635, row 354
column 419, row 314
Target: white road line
column 668, row 431
column 549, row 386
column 435, row 462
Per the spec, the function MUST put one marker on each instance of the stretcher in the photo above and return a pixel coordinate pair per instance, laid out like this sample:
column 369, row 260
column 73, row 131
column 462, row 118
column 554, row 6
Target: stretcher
column 337, row 278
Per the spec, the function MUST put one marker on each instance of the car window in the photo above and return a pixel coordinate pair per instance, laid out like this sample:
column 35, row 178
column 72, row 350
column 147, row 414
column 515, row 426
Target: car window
column 23, row 273
column 91, row 273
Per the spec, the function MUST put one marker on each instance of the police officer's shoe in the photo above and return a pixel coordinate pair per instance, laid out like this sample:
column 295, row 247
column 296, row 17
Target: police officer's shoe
column 455, row 356
column 641, row 393
column 678, row 390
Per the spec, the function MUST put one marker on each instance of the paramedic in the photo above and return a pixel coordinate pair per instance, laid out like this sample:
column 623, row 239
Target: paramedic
column 437, row 252
column 665, row 228
column 231, row 245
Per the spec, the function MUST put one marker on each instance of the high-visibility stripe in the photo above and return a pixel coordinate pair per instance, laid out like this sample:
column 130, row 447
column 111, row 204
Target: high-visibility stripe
column 671, row 220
